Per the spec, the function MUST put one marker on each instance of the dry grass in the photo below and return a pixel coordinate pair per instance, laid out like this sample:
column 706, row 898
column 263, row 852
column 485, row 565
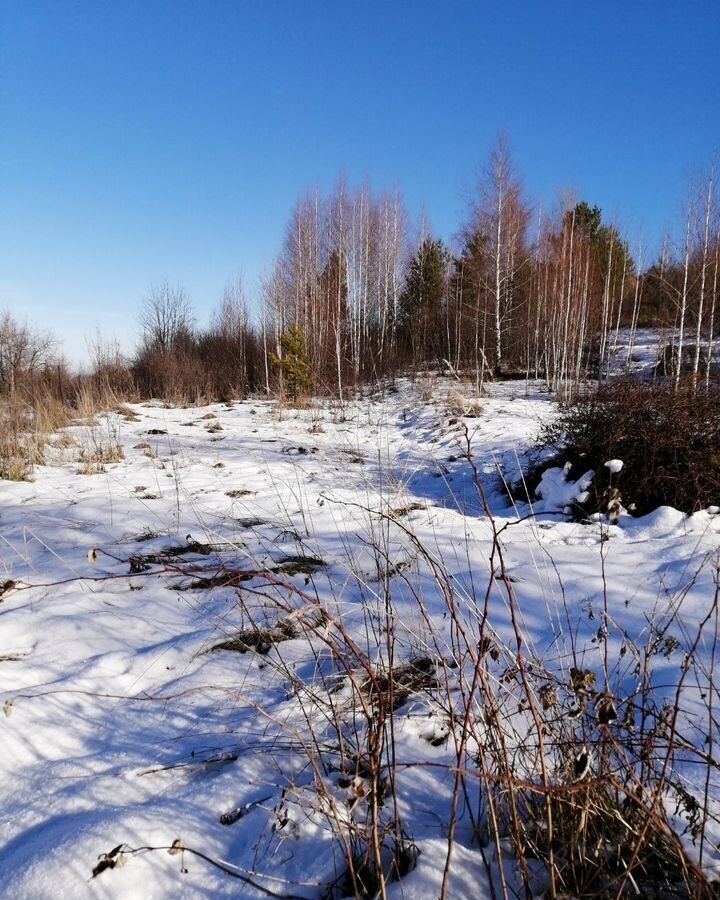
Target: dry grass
column 22, row 444
column 34, row 416
column 99, row 448
column 426, row 386
column 579, row 771
column 460, row 406
column 127, row 413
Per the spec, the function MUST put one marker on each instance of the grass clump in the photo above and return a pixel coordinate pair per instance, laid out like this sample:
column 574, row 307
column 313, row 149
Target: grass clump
column 462, row 407
column 21, row 444
column 93, row 460
column 259, row 639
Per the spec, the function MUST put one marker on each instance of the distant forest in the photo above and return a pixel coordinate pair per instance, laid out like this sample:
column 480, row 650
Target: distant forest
column 352, row 299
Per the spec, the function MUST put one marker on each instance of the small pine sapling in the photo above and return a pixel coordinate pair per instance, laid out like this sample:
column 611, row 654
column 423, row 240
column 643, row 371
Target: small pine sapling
column 294, row 362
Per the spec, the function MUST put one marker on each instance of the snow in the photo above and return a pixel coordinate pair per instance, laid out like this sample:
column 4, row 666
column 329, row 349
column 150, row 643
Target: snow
column 122, row 724
column 557, row 492
column 614, row 466
column 639, row 354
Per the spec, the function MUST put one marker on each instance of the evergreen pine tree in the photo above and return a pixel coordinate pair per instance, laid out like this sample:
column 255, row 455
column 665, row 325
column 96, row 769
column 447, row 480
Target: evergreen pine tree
column 421, row 303
column 294, row 362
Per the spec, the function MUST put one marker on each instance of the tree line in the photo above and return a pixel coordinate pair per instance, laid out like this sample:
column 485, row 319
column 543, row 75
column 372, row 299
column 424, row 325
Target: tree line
column 357, row 294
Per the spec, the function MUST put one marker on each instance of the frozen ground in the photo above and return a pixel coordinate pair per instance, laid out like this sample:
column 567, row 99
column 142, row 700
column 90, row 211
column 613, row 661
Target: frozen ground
column 123, row 725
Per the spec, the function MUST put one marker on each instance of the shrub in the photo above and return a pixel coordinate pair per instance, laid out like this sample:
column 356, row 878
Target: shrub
column 669, row 442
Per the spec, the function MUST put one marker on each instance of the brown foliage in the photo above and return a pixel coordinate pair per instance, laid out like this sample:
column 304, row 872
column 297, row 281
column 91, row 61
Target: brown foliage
column 668, row 441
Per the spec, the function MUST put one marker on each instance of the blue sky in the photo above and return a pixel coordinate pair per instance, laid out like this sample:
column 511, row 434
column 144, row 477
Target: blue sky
column 149, row 140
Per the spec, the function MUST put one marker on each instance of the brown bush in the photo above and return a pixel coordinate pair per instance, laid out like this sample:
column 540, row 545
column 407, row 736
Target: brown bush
column 668, row 440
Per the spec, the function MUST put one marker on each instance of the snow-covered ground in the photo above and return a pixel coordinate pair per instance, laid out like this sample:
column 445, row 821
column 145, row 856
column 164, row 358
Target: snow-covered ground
column 123, row 725
column 640, row 353
column 637, row 352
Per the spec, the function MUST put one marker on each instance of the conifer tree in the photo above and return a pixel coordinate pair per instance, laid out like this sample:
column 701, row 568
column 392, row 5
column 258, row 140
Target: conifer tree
column 421, row 302
column 294, row 362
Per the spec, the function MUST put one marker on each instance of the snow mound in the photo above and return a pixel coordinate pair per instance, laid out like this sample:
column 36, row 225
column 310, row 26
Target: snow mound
column 705, row 520
column 661, row 522
column 557, row 493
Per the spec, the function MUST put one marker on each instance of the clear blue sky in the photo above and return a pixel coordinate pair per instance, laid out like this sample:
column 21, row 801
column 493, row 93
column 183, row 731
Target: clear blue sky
column 149, row 140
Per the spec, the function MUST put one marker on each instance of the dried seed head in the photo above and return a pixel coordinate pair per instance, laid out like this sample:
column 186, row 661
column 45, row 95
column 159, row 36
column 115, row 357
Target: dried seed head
column 605, row 711
column 177, row 847
column 581, row 764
